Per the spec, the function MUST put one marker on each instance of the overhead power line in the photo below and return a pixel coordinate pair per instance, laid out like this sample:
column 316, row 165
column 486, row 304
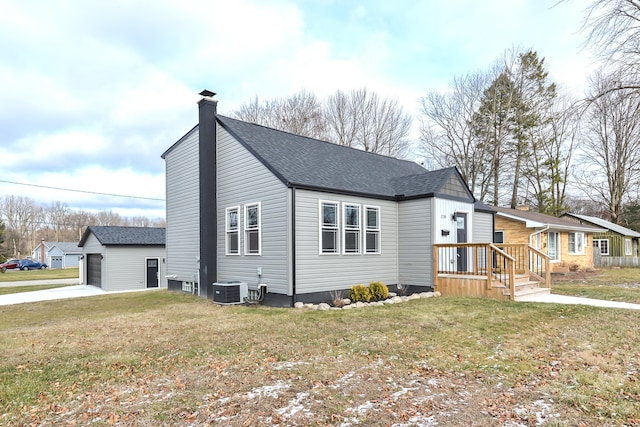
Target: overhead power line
column 81, row 191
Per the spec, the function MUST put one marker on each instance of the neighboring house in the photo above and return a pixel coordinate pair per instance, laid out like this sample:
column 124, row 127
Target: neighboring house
column 566, row 242
column 58, row 254
column 616, row 245
column 123, row 258
column 306, row 217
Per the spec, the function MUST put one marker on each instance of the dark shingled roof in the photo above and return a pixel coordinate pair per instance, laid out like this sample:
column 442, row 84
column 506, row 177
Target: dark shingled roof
column 311, row 163
column 125, row 236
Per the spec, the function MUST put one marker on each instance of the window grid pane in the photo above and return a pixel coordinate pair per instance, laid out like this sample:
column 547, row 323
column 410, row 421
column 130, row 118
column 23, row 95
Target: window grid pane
column 352, row 229
column 252, row 229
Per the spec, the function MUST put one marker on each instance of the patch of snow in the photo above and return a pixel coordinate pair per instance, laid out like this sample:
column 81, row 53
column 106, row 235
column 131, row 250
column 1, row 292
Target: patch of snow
column 268, row 390
column 418, row 421
column 294, row 406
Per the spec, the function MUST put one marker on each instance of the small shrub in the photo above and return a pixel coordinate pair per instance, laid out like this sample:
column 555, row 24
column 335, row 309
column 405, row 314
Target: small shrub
column 574, row 267
column 360, row 293
column 378, row 290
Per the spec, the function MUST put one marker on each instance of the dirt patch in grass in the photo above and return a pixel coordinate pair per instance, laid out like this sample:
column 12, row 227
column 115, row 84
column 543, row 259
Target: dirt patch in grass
column 169, row 359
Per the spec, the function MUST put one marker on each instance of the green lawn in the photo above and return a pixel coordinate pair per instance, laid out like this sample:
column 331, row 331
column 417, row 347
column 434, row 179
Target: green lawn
column 608, row 284
column 30, row 288
column 59, row 273
column 161, row 358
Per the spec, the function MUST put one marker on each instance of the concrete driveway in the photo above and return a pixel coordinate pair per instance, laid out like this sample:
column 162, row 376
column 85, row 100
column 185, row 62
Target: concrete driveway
column 48, row 294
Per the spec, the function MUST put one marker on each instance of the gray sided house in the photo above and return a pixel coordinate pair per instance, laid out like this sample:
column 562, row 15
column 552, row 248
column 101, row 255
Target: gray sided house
column 58, row 254
column 617, row 245
column 308, row 218
column 123, row 258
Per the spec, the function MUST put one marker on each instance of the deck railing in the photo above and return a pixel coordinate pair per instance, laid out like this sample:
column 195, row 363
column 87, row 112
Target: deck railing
column 529, row 261
column 486, row 269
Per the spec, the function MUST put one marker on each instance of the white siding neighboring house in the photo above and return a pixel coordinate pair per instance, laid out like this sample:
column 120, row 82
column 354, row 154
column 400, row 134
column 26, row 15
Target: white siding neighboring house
column 123, row 258
column 251, row 204
column 58, row 254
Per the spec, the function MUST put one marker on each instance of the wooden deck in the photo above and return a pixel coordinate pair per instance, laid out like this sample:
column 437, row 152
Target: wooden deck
column 503, row 272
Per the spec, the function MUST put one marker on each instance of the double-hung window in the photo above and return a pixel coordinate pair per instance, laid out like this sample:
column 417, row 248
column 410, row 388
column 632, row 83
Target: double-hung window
column 576, row 243
column 627, row 247
column 352, row 228
column 232, row 243
column 329, row 228
column 372, row 230
column 252, row 241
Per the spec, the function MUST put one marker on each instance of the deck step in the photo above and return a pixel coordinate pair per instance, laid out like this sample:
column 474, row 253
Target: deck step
column 531, row 294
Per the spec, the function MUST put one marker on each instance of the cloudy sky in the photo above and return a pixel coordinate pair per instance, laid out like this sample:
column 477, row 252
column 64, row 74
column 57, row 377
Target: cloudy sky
column 93, row 92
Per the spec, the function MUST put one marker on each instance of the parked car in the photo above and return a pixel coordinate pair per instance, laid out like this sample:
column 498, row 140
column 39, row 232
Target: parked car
column 29, row 264
column 9, row 264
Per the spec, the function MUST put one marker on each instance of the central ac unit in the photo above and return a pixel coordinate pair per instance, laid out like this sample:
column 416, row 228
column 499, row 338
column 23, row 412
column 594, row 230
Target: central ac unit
column 230, row 292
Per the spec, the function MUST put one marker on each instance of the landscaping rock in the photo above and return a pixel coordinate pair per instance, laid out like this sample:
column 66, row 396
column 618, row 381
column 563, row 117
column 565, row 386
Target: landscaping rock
column 392, row 294
column 426, row 295
column 346, row 301
column 413, row 296
column 388, row 301
column 348, row 307
column 360, row 304
column 396, row 299
column 437, row 294
column 311, row 306
column 299, row 304
column 323, row 306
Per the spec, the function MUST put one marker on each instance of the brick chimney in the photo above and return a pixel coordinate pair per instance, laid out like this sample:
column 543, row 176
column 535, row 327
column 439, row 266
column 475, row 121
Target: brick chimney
column 208, row 197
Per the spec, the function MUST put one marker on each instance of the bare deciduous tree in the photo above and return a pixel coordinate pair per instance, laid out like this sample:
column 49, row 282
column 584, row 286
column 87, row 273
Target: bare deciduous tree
column 447, row 135
column 300, row 113
column 27, row 223
column 361, row 119
column 613, row 31
column 611, row 146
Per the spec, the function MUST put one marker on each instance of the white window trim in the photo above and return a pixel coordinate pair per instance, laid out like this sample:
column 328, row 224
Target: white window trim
column 227, row 231
column 344, row 229
column 628, row 247
column 321, row 226
column 600, row 246
column 377, row 230
column 246, row 228
column 575, row 242
column 558, row 246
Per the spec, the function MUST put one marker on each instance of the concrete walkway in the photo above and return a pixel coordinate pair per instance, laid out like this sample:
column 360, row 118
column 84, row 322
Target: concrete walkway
column 564, row 299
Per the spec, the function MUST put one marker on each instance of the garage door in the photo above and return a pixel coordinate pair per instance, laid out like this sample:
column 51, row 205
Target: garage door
column 56, row 262
column 94, row 270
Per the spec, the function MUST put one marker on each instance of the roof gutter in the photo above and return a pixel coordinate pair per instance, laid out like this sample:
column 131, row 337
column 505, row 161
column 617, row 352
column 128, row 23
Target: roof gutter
column 538, row 232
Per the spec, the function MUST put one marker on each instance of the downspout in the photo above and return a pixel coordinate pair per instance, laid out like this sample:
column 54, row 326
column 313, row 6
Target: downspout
column 538, row 232
column 397, row 244
column 293, row 244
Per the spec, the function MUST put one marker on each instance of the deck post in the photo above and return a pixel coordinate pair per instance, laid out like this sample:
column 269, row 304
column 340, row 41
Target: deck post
column 436, row 249
column 489, row 252
column 512, row 280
